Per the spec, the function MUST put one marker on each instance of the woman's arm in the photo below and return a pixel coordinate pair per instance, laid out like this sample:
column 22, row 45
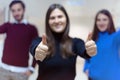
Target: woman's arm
column 79, row 48
column 84, row 50
column 117, row 38
column 34, row 44
column 86, row 66
column 39, row 48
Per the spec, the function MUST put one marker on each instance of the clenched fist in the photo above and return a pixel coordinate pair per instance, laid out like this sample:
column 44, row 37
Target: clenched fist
column 90, row 46
column 42, row 49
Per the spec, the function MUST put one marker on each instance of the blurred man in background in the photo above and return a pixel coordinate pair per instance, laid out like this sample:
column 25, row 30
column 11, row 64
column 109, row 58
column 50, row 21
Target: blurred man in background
column 19, row 36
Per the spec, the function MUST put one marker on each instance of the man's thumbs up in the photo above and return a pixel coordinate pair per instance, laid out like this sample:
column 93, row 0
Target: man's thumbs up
column 42, row 49
column 90, row 46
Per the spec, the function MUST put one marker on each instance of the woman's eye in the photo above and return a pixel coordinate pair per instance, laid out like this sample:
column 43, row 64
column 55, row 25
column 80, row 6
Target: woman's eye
column 52, row 18
column 98, row 19
column 60, row 16
column 104, row 19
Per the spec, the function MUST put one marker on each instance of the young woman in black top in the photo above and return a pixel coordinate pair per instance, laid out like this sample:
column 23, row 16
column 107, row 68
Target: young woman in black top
column 56, row 52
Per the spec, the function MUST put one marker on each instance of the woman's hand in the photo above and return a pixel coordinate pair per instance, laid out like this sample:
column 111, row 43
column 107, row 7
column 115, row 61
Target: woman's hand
column 90, row 46
column 42, row 49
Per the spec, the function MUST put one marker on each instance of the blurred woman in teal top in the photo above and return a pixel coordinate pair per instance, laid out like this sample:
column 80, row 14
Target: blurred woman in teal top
column 106, row 64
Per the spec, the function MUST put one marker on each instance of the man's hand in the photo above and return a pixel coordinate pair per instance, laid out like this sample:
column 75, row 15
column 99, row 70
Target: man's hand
column 28, row 73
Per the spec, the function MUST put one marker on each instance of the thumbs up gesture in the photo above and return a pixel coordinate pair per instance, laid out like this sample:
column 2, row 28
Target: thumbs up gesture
column 42, row 49
column 90, row 46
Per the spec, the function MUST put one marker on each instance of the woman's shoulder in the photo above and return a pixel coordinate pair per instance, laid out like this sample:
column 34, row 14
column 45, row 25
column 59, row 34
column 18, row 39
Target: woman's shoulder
column 77, row 40
column 38, row 39
column 116, row 36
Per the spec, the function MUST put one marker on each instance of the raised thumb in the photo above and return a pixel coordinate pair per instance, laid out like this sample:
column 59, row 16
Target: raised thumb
column 89, row 36
column 44, row 39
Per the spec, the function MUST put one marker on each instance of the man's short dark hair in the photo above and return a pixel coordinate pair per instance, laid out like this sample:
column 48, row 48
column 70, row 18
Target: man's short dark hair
column 16, row 2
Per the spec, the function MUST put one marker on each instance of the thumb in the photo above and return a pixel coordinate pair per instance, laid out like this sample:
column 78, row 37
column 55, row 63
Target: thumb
column 44, row 39
column 89, row 36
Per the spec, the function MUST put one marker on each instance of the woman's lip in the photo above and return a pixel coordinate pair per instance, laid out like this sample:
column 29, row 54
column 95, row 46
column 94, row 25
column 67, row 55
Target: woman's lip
column 102, row 25
column 58, row 26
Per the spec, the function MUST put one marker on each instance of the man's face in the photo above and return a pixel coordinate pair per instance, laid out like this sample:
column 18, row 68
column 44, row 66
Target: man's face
column 17, row 12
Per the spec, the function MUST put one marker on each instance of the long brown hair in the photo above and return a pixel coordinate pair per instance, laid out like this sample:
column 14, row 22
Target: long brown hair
column 111, row 27
column 66, row 42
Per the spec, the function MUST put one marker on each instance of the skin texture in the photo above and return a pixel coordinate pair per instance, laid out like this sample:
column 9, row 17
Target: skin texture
column 57, row 21
column 102, row 22
column 17, row 12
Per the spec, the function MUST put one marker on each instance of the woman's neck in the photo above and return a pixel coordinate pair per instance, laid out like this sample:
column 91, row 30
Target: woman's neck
column 58, row 36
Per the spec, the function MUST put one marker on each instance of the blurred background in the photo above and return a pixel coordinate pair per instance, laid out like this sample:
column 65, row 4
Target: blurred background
column 81, row 13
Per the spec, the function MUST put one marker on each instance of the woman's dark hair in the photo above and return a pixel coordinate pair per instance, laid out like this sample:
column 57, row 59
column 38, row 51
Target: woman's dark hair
column 16, row 2
column 66, row 42
column 111, row 27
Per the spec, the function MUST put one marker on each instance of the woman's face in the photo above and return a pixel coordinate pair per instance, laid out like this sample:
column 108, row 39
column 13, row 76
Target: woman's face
column 102, row 22
column 57, row 21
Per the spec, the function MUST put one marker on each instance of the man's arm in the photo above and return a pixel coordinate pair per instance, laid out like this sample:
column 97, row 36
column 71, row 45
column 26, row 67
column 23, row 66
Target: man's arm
column 4, row 27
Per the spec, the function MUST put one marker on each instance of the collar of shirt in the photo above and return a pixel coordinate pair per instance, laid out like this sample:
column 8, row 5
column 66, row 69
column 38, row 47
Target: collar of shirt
column 24, row 21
